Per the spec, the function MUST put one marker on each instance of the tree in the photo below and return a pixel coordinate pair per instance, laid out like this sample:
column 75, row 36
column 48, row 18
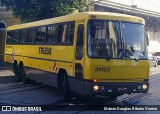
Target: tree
column 33, row 10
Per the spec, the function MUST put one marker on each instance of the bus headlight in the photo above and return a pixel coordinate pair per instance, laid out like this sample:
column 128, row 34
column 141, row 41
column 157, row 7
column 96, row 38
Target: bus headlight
column 95, row 88
column 144, row 86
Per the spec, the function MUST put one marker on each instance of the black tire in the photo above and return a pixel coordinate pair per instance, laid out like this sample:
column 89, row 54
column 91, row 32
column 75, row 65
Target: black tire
column 17, row 72
column 60, row 80
column 67, row 92
column 23, row 74
column 14, row 67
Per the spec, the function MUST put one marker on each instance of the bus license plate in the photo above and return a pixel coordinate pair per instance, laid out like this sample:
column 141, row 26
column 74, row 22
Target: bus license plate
column 122, row 89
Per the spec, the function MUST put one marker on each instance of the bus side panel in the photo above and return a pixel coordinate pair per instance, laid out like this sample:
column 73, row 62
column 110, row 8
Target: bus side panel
column 48, row 78
column 42, row 67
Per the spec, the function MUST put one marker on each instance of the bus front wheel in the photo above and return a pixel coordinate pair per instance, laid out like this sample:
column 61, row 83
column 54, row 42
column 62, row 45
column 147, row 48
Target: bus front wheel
column 17, row 71
column 23, row 74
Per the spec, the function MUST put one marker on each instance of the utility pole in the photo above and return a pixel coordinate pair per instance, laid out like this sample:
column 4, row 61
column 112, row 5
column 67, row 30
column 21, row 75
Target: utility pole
column 91, row 6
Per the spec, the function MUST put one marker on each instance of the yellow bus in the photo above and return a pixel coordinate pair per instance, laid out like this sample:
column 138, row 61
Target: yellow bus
column 89, row 53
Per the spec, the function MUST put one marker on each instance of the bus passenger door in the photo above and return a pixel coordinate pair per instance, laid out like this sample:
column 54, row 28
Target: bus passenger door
column 79, row 50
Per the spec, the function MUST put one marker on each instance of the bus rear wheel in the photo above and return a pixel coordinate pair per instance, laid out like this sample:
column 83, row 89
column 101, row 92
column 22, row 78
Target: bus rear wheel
column 16, row 71
column 23, row 74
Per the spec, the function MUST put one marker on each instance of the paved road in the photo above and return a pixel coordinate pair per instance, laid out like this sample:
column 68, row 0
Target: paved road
column 16, row 93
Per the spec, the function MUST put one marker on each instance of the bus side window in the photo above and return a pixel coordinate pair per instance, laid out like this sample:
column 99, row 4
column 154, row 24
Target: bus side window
column 16, row 36
column 41, row 34
column 79, row 43
column 80, row 34
column 60, row 32
column 32, row 35
column 69, row 33
column 9, row 37
column 24, row 35
column 51, row 35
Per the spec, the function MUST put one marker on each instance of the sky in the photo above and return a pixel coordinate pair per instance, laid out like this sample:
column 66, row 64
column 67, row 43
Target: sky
column 152, row 5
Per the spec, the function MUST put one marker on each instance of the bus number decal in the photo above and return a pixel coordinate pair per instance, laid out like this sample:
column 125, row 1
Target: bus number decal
column 102, row 69
column 45, row 50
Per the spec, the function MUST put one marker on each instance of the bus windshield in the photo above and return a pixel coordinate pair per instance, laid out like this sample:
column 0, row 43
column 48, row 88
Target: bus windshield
column 114, row 39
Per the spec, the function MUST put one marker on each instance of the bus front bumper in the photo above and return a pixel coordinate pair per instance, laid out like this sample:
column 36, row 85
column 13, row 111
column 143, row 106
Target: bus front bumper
column 119, row 88
column 108, row 88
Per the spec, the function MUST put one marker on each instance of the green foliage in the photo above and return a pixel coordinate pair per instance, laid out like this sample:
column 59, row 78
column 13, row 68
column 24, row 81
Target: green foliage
column 33, row 10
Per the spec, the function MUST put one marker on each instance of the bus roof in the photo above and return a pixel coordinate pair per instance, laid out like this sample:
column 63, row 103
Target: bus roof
column 80, row 16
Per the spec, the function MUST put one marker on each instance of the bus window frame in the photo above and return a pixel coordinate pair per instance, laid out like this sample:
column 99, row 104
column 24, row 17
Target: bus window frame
column 44, row 37
column 50, row 43
column 73, row 31
column 11, row 39
column 17, row 30
column 92, row 57
column 21, row 43
column 120, row 35
column 63, row 43
column 45, row 43
column 80, row 41
column 14, row 43
column 29, row 35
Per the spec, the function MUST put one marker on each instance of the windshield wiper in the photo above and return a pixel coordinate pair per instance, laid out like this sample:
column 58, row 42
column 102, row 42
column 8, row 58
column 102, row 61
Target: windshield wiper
column 126, row 46
column 129, row 49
